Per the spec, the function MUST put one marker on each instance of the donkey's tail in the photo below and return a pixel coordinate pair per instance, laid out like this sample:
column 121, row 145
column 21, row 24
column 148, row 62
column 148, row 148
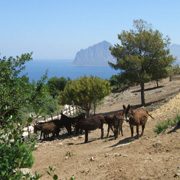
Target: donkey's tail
column 150, row 116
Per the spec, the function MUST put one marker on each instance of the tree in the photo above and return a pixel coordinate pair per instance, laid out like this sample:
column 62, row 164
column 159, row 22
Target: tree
column 56, row 85
column 85, row 92
column 16, row 93
column 14, row 90
column 173, row 70
column 143, row 55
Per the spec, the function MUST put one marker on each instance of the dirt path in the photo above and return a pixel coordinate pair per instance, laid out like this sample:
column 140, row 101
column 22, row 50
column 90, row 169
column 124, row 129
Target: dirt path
column 149, row 157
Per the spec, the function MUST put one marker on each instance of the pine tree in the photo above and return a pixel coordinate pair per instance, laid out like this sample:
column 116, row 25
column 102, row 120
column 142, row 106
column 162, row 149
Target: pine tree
column 143, row 55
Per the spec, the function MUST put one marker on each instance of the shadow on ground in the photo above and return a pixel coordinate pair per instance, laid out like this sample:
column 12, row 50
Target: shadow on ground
column 124, row 141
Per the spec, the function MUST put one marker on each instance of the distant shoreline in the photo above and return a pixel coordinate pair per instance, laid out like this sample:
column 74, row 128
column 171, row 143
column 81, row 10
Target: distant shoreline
column 89, row 65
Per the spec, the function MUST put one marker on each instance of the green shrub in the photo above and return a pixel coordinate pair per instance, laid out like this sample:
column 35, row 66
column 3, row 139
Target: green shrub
column 163, row 125
column 177, row 120
column 14, row 154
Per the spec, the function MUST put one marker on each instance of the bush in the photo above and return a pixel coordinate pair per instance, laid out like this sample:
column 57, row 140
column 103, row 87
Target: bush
column 163, row 125
column 14, row 153
column 177, row 120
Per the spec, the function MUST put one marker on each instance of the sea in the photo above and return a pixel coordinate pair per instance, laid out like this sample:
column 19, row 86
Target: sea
column 35, row 69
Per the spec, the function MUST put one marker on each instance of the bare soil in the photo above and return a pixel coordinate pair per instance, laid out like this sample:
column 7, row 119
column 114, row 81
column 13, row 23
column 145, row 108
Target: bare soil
column 150, row 157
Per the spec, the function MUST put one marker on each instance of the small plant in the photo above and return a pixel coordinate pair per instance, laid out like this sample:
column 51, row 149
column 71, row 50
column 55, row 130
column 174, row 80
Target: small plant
column 177, row 120
column 73, row 178
column 163, row 125
column 51, row 171
column 70, row 154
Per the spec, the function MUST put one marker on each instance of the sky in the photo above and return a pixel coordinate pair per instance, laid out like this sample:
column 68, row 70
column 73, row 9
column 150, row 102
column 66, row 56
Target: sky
column 58, row 29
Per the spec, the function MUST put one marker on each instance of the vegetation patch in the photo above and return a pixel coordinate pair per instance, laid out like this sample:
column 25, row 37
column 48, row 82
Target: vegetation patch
column 163, row 125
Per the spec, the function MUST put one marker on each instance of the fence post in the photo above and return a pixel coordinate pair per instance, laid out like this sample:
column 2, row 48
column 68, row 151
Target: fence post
column 72, row 107
column 70, row 110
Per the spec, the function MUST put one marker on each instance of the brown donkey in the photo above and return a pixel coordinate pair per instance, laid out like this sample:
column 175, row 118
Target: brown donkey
column 115, row 122
column 92, row 123
column 137, row 117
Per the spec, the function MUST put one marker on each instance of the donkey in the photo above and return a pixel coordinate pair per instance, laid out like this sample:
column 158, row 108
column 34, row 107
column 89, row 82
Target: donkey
column 69, row 121
column 115, row 122
column 118, row 122
column 137, row 117
column 92, row 123
column 46, row 128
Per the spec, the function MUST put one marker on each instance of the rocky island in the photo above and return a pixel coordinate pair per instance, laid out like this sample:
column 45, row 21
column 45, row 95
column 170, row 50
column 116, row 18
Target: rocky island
column 96, row 55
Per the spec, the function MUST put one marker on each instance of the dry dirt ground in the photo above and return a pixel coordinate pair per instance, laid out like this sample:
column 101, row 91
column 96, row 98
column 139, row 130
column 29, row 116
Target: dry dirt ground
column 150, row 157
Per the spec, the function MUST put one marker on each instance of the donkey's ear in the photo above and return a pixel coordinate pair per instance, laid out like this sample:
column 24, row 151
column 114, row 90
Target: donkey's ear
column 128, row 107
column 124, row 107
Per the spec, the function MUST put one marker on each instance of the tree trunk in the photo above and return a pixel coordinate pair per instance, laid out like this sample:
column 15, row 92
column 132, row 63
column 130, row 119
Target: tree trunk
column 95, row 105
column 87, row 113
column 88, row 108
column 157, row 83
column 142, row 94
column 170, row 78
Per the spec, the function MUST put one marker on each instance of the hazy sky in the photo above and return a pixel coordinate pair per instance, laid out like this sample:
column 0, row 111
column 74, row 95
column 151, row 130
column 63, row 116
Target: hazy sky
column 58, row 29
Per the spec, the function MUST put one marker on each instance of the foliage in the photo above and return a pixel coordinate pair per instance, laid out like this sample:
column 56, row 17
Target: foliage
column 51, row 173
column 51, row 106
column 173, row 70
column 120, row 83
column 14, row 153
column 143, row 55
column 14, row 90
column 85, row 92
column 16, row 94
column 163, row 125
column 39, row 94
column 70, row 154
column 114, row 80
column 55, row 85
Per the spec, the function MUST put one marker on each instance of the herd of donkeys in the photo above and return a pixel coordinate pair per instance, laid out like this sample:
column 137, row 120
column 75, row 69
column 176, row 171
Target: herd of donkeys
column 135, row 117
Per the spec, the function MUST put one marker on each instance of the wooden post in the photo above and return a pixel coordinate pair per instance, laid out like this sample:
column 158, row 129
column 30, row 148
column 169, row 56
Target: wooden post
column 28, row 131
column 70, row 110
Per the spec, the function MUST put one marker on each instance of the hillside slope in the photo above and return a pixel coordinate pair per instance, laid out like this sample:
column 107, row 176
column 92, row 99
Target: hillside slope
column 149, row 157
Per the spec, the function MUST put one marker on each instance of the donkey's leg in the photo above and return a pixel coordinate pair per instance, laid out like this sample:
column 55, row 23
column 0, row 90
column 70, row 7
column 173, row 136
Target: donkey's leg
column 86, row 136
column 132, row 130
column 143, row 126
column 44, row 136
column 137, row 131
column 68, row 129
column 116, row 132
column 108, row 130
column 102, row 132
column 121, row 129
column 53, row 135
column 41, row 135
column 77, row 131
column 112, row 128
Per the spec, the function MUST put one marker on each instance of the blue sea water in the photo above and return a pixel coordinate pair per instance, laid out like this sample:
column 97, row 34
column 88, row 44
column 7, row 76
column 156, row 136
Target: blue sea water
column 35, row 69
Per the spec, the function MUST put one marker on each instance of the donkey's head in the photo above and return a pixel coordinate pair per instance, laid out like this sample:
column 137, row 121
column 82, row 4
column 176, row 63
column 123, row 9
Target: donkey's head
column 127, row 112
